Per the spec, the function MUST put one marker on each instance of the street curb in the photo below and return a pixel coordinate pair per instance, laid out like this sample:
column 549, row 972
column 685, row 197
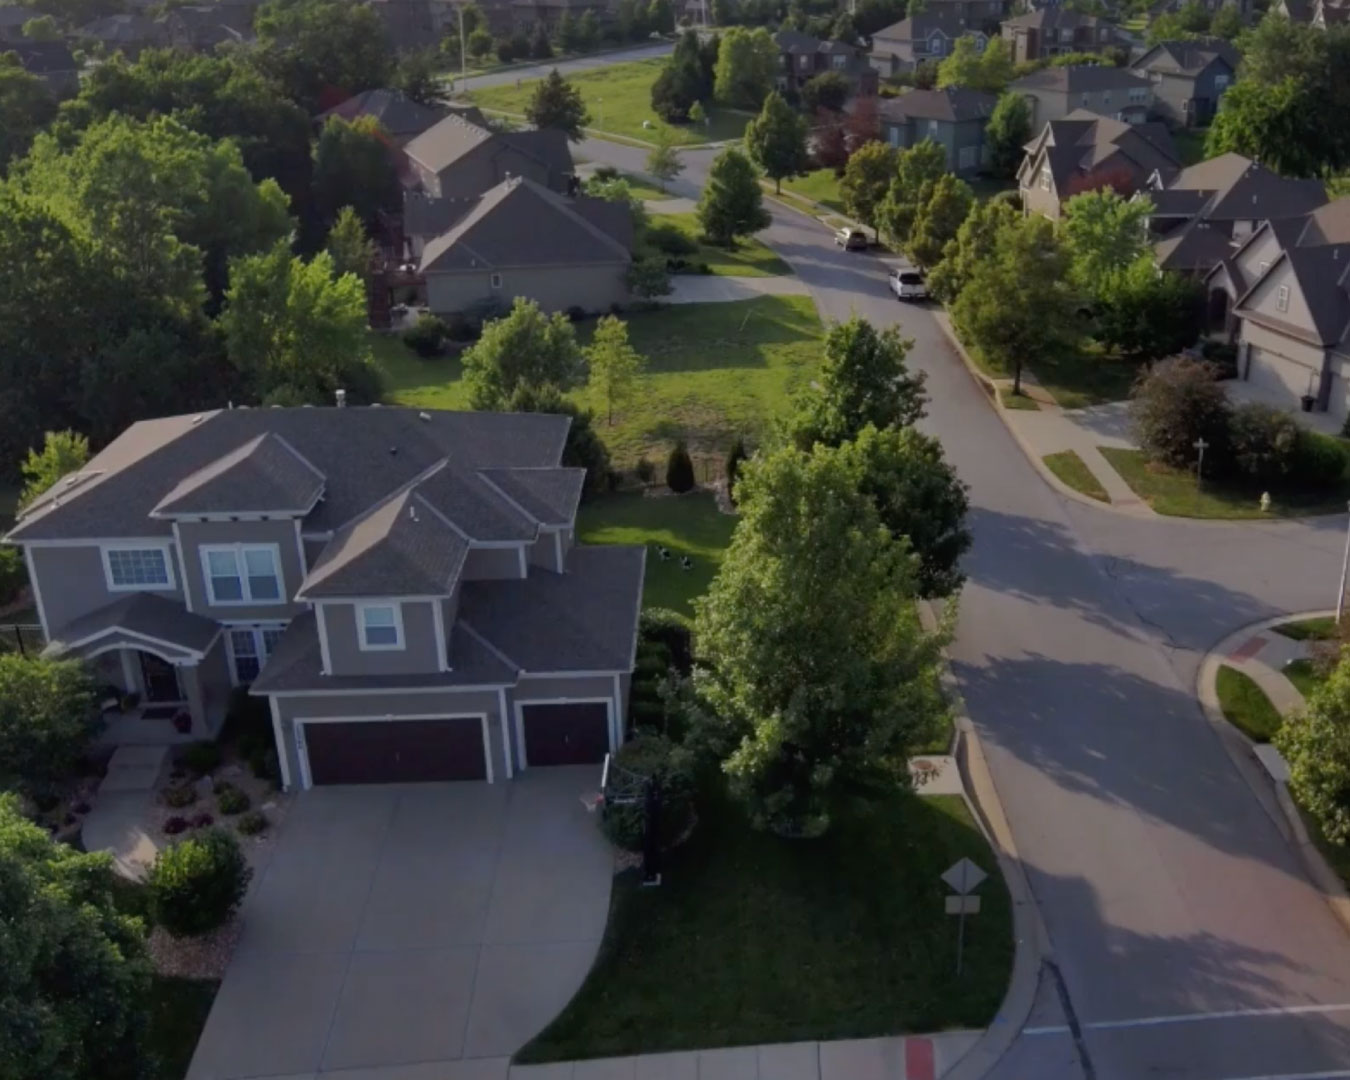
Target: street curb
column 1032, row 942
column 1240, row 750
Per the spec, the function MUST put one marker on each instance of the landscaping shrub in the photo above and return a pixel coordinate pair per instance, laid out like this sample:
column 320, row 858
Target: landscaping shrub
column 252, row 823
column 680, row 469
column 733, row 467
column 659, row 758
column 672, row 630
column 1316, row 744
column 248, row 727
column 1178, row 402
column 1263, row 442
column 232, row 801
column 178, row 796
column 1223, row 355
column 1320, row 461
column 645, row 470
column 605, row 172
column 202, row 757
column 13, row 574
column 670, row 239
column 427, row 336
column 196, row 885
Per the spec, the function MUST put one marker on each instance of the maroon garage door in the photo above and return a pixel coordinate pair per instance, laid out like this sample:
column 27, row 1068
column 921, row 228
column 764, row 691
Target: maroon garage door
column 395, row 751
column 572, row 734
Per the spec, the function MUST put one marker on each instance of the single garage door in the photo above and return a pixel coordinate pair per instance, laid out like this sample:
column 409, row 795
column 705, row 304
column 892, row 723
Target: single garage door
column 396, row 751
column 575, row 733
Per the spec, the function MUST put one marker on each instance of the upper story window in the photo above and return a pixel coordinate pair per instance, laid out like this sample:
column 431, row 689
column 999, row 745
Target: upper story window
column 130, row 569
column 380, row 626
column 804, row 62
column 1084, row 100
column 1282, row 298
column 1106, row 97
column 1104, row 33
column 1045, row 179
column 1066, row 35
column 242, row 574
column 1220, row 81
column 838, row 62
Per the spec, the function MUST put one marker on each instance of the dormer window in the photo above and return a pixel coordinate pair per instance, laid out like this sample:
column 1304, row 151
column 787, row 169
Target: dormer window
column 381, row 627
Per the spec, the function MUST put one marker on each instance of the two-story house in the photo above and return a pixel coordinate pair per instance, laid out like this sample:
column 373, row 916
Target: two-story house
column 928, row 36
column 1054, row 30
column 1319, row 13
column 801, row 57
column 1084, row 152
column 457, row 159
column 1189, row 78
column 399, row 117
column 403, row 587
column 1054, row 92
column 954, row 118
column 50, row 61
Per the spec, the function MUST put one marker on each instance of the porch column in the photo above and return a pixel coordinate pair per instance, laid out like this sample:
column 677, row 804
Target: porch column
column 130, row 683
column 189, row 678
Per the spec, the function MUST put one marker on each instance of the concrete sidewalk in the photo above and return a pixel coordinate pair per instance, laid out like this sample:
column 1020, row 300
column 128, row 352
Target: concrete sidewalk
column 1263, row 658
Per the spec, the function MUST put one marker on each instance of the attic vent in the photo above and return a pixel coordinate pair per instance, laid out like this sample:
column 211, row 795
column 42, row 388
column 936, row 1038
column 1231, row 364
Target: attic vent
column 424, row 416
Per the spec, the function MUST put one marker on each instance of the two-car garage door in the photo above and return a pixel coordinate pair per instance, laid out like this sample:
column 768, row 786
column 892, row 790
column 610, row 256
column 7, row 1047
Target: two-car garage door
column 396, row 751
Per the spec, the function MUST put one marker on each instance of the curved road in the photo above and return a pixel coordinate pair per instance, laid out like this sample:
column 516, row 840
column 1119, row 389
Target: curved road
column 1187, row 941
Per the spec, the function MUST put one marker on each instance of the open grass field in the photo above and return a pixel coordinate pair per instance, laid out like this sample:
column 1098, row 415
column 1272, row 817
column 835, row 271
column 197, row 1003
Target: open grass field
column 749, row 258
column 822, row 185
column 756, row 939
column 618, row 98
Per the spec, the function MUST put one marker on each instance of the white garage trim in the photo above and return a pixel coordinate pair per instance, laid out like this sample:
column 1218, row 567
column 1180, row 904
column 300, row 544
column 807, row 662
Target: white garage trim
column 302, row 752
column 522, row 761
column 502, row 713
column 283, row 758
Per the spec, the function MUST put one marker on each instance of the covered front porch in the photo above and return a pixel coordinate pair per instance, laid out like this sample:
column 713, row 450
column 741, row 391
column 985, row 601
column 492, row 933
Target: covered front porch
column 162, row 672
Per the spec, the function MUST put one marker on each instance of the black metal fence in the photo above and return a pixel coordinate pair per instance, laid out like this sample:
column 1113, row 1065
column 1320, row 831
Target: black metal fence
column 26, row 639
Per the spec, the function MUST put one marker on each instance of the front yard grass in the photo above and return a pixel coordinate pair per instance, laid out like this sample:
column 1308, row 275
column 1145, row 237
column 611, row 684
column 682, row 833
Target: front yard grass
column 822, row 185
column 752, row 938
column 1174, row 492
column 1073, row 470
column 1245, row 705
column 1190, row 144
column 618, row 98
column 1085, row 378
column 686, row 524
column 749, row 258
column 644, row 189
column 1321, row 629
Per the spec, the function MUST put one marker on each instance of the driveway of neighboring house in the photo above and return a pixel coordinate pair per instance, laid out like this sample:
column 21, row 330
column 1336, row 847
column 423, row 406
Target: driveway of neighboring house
column 407, row 924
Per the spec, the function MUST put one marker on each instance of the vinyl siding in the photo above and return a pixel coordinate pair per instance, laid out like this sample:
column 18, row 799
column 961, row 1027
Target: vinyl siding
column 73, row 582
column 194, row 534
column 1264, row 299
column 418, row 655
column 556, row 288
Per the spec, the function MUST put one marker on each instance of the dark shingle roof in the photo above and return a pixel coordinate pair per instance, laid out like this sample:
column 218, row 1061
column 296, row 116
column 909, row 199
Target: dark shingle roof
column 953, row 104
column 550, row 496
column 1321, row 278
column 426, row 215
column 947, row 19
column 141, row 615
column 1084, row 140
column 396, row 113
column 474, row 507
column 264, row 475
column 582, row 620
column 1079, row 79
column 1187, row 57
column 1238, row 188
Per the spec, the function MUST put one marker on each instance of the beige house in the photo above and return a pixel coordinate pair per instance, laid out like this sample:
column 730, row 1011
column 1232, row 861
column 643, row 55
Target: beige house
column 1054, row 92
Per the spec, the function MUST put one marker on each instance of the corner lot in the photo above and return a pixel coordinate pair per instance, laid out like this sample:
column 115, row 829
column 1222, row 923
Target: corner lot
column 403, row 924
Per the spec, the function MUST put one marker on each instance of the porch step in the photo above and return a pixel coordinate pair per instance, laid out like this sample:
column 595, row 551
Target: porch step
column 134, row 768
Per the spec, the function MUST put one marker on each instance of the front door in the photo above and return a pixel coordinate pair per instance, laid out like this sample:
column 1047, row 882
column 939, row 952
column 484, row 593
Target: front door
column 160, row 679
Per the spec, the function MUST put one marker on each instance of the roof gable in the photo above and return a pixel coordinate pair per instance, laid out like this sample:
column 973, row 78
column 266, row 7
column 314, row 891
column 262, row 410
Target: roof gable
column 264, row 475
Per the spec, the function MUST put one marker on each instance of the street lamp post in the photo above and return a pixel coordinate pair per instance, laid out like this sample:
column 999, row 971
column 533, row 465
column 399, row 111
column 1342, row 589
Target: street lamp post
column 1345, row 567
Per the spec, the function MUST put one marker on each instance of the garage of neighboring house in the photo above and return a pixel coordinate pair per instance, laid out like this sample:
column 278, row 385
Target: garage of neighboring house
column 564, row 732
column 397, row 750
column 1282, row 380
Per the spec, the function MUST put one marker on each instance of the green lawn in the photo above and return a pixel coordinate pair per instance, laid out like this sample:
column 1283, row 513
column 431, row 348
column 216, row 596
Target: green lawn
column 1016, row 401
column 822, row 185
column 1245, row 705
column 749, row 258
column 1190, row 144
column 1173, row 492
column 410, row 380
column 618, row 98
column 686, row 524
column 178, row 1012
column 643, row 189
column 1304, row 675
column 1071, row 468
column 1323, row 629
column 1086, row 378
column 986, row 187
column 755, row 939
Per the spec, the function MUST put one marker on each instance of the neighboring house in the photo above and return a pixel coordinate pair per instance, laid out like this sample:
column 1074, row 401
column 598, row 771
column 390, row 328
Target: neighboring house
column 954, row 118
column 200, row 28
column 127, row 34
column 982, row 15
column 1188, row 77
column 1290, row 286
column 520, row 239
column 1083, row 152
column 1054, row 92
column 51, row 62
column 1053, row 30
column 1201, row 213
column 929, row 35
column 526, row 14
column 1320, row 13
column 458, row 159
column 412, row 25
column 399, row 117
column 403, row 587
column 12, row 18
column 802, row 57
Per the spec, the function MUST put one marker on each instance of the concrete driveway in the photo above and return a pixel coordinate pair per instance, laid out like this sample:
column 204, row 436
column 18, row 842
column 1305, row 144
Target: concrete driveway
column 412, row 924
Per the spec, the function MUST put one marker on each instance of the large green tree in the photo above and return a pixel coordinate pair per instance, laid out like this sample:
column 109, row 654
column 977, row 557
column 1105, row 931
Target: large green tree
column 747, row 65
column 1147, row 315
column 322, row 51
column 776, row 140
column 349, row 245
column 863, row 380
column 557, row 104
column 866, row 180
column 973, row 244
column 26, row 107
column 525, row 349
column 938, row 220
column 62, row 453
column 918, row 169
column 75, row 975
column 47, row 720
column 295, row 331
column 354, row 166
column 732, row 204
column 1008, row 131
column 1315, row 741
column 989, row 69
column 820, row 680
column 613, row 364
column 1103, row 234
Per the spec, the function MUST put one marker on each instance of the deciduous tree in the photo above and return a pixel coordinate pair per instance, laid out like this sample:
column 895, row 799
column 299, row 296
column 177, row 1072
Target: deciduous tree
column 1103, row 234
column 1147, row 315
column 557, row 104
column 62, row 452
column 1315, row 741
column 527, row 349
column 349, row 246
column 26, row 107
column 663, row 160
column 747, row 64
column 1008, row 131
column 918, row 169
column 938, row 219
column 322, row 51
column 1180, row 401
column 974, row 243
column 732, row 204
column 989, row 69
column 776, row 140
column 828, row 90
column 354, row 166
column 613, row 363
column 47, row 720
column 418, row 76
column 866, row 180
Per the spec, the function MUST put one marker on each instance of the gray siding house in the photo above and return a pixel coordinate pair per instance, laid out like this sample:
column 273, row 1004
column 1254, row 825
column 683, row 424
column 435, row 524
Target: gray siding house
column 1053, row 93
column 520, row 239
column 403, row 588
column 1189, row 78
column 954, row 118
column 929, row 35
column 458, row 159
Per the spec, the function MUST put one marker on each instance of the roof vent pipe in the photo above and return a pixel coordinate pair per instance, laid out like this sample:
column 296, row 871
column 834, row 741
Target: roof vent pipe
column 341, row 396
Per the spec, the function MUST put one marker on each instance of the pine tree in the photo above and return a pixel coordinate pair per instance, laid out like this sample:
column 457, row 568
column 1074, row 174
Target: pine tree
column 557, row 104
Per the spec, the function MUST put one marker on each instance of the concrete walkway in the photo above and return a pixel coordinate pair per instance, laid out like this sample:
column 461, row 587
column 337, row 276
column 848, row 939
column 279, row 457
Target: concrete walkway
column 718, row 289
column 116, row 822
column 1263, row 658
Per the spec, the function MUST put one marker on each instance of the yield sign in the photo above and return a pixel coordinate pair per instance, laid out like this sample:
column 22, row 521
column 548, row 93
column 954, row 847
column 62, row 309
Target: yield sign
column 964, row 877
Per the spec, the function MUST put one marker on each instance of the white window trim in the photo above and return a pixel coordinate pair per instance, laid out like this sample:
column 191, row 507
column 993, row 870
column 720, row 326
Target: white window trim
column 363, row 644
column 247, row 599
column 165, row 549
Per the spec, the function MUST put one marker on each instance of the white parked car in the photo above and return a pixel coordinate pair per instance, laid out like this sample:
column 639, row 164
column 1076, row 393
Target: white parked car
column 908, row 285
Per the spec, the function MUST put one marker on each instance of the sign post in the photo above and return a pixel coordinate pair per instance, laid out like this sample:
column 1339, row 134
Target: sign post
column 964, row 878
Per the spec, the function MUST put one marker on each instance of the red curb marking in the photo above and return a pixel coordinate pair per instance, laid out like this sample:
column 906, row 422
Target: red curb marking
column 1248, row 649
column 919, row 1059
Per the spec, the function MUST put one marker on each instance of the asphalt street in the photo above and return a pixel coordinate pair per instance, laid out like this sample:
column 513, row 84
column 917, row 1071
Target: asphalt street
column 1186, row 940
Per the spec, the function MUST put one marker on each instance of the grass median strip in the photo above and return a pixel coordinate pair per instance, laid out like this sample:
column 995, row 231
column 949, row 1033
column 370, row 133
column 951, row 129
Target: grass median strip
column 1073, row 470
column 1245, row 705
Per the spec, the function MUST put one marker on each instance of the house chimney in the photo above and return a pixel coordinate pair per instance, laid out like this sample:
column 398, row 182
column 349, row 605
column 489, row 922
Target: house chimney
column 341, row 396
